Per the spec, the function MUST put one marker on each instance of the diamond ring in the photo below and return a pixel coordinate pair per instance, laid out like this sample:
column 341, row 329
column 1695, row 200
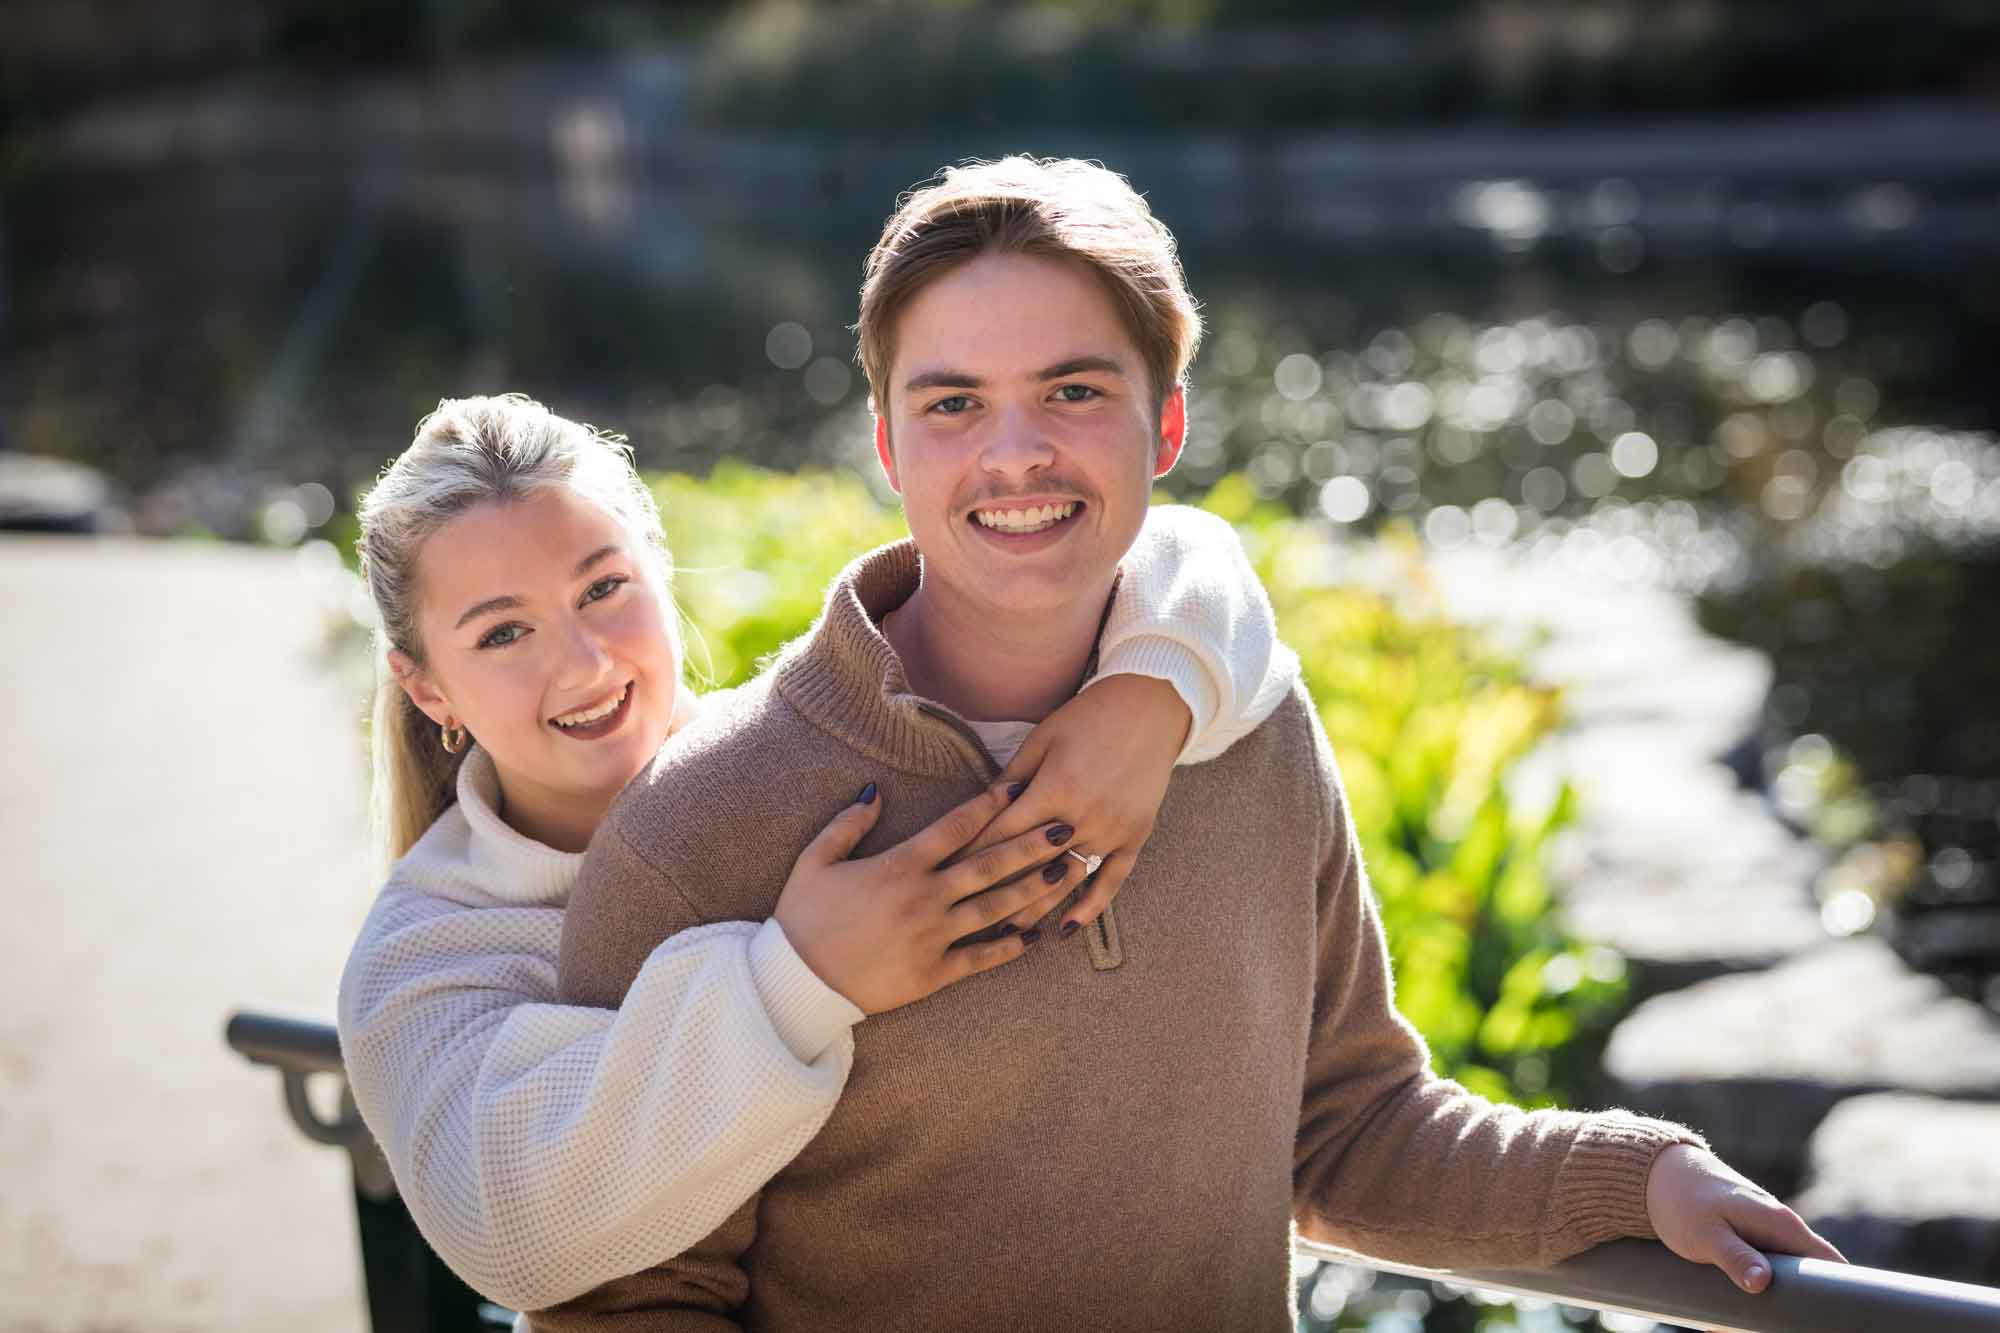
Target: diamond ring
column 1090, row 863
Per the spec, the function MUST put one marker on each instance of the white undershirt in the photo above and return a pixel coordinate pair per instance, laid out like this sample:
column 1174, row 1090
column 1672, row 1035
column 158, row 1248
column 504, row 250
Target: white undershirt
column 1003, row 740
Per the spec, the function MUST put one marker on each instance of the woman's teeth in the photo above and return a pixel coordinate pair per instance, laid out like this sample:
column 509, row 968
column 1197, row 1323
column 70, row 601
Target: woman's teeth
column 1024, row 520
column 589, row 715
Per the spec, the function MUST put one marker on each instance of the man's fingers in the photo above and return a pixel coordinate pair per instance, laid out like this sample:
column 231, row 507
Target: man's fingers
column 1746, row 1267
column 1766, row 1222
column 1101, row 888
column 844, row 832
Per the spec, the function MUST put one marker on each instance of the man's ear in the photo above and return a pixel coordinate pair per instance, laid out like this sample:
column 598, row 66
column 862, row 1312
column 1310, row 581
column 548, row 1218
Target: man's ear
column 1173, row 432
column 883, row 453
column 417, row 683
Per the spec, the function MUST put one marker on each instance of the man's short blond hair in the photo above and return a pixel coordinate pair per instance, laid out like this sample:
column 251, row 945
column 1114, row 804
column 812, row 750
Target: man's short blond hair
column 1057, row 208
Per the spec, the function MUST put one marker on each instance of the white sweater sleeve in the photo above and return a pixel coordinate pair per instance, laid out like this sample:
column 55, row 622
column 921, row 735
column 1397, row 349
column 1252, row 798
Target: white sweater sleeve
column 1190, row 610
column 544, row 1149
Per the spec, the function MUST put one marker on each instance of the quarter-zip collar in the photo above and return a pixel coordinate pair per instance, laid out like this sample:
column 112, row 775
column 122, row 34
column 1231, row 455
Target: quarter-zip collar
column 846, row 677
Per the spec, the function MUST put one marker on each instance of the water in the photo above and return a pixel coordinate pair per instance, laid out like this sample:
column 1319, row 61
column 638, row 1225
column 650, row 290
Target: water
column 1762, row 382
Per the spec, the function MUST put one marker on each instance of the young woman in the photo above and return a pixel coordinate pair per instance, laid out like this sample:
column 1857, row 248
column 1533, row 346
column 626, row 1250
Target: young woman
column 530, row 667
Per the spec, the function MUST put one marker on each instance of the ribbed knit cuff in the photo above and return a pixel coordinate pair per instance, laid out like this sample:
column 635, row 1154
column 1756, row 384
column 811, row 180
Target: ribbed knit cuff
column 1177, row 664
column 807, row 1013
column 1600, row 1193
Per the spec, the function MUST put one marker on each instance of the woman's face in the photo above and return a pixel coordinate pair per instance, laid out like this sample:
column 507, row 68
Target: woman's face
column 546, row 629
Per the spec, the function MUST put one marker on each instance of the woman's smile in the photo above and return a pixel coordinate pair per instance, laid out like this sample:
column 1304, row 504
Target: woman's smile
column 597, row 720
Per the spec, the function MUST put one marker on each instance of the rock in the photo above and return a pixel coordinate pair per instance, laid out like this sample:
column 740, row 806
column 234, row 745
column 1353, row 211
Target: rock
column 1756, row 1061
column 50, row 495
column 1909, row 1183
column 1678, row 868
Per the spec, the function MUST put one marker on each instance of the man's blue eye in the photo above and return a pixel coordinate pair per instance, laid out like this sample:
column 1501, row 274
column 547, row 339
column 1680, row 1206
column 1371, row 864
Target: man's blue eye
column 1076, row 393
column 953, row 405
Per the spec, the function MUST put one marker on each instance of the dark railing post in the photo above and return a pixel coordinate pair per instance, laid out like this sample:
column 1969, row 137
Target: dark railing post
column 409, row 1288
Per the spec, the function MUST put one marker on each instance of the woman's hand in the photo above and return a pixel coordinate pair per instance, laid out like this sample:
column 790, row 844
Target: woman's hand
column 880, row 930
column 1100, row 763
column 1708, row 1214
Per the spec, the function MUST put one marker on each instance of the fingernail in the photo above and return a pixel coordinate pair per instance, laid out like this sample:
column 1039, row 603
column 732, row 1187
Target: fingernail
column 1008, row 929
column 1030, row 936
column 1060, row 833
column 1754, row 1275
column 1069, row 928
column 867, row 796
column 1055, row 870
column 1014, row 792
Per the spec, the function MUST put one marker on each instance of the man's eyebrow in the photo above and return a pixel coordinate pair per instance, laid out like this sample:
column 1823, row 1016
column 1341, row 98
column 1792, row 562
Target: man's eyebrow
column 943, row 379
column 487, row 607
column 1079, row 365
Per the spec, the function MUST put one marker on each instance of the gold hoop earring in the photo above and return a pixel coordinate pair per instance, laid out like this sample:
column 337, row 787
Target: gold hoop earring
column 452, row 739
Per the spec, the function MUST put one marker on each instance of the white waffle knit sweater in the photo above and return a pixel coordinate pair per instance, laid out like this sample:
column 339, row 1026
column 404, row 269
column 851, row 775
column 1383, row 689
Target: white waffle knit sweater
column 544, row 1149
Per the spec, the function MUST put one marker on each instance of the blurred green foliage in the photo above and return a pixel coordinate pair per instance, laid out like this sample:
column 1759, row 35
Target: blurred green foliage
column 1426, row 724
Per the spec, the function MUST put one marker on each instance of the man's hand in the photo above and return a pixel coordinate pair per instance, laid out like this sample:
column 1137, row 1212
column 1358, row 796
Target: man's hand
column 1100, row 763
column 1708, row 1214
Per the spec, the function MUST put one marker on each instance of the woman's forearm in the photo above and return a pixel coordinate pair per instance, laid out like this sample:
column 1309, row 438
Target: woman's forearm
column 543, row 1148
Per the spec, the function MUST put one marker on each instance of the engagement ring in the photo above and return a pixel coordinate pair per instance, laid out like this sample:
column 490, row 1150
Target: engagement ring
column 1090, row 863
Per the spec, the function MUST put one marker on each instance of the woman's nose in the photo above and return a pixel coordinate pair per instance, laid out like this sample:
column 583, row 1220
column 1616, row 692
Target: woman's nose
column 585, row 658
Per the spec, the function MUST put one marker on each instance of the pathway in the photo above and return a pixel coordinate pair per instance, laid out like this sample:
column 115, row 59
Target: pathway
column 182, row 803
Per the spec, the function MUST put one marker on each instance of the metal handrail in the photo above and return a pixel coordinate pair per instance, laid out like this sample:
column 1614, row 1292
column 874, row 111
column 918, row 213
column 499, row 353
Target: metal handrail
column 1645, row 1278
column 1634, row 1277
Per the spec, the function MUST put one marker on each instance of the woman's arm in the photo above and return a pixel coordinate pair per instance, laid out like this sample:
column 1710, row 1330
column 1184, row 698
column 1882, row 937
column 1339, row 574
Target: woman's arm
column 1189, row 662
column 546, row 1148
column 504, row 1114
column 1189, row 610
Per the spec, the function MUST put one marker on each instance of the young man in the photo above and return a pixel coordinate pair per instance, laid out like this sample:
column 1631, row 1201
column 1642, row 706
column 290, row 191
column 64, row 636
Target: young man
column 1119, row 1130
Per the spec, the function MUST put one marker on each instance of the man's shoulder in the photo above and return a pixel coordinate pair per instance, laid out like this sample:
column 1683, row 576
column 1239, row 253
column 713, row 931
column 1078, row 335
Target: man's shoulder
column 738, row 777
column 1291, row 738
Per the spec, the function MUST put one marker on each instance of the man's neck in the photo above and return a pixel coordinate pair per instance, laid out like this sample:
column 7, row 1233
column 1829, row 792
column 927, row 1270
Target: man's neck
column 990, row 667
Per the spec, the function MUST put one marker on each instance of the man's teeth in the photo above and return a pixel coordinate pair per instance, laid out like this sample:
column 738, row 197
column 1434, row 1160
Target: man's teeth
column 589, row 715
column 1025, row 520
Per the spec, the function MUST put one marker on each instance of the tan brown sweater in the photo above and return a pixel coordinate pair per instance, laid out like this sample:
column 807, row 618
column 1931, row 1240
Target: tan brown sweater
column 1116, row 1131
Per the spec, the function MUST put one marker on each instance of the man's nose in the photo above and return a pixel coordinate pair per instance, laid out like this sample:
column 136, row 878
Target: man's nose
column 1017, row 444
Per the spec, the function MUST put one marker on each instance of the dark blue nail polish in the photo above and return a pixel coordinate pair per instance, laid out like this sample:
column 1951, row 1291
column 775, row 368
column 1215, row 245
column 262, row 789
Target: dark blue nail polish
column 1060, row 834
column 1069, row 928
column 867, row 796
column 1008, row 929
column 1030, row 936
column 1014, row 792
column 1055, row 870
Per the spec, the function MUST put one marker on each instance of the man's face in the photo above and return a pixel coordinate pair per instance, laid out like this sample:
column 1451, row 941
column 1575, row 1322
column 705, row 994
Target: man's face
column 1020, row 431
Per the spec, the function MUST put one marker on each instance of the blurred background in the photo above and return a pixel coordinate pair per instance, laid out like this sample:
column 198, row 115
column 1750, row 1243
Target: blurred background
column 1681, row 304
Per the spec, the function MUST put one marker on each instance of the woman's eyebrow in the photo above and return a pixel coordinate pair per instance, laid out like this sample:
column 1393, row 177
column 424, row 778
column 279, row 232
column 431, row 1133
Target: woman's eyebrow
column 509, row 602
column 487, row 607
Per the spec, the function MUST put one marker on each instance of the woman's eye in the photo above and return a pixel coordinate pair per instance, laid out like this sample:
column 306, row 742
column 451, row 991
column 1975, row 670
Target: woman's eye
column 1076, row 393
column 603, row 588
column 501, row 635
